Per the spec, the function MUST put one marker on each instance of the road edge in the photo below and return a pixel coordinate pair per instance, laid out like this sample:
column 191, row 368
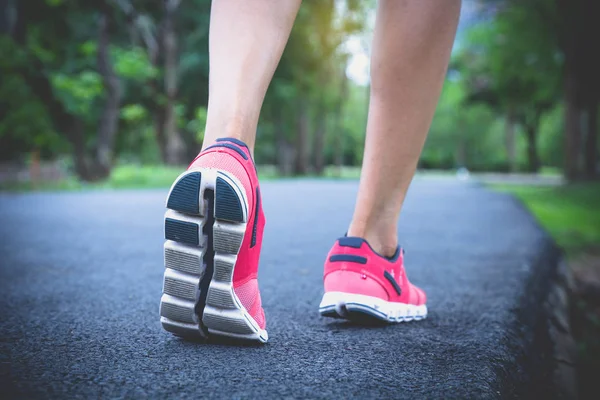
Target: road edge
column 540, row 335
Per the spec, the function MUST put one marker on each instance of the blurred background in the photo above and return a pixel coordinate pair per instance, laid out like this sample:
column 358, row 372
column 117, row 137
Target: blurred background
column 113, row 94
column 91, row 88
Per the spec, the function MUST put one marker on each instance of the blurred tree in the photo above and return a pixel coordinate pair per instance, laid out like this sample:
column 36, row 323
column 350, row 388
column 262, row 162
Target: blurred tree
column 160, row 40
column 76, row 63
column 124, row 79
column 526, row 52
column 128, row 80
column 62, row 77
column 193, row 25
column 108, row 124
column 464, row 134
column 310, row 81
column 512, row 64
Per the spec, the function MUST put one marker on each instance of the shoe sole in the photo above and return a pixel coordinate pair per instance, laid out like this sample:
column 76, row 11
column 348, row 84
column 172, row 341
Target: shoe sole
column 205, row 224
column 364, row 308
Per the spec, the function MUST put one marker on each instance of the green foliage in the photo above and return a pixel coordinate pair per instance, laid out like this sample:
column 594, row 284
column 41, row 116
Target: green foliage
column 78, row 91
column 133, row 64
column 139, row 144
column 24, row 122
column 507, row 65
column 551, row 140
column 133, row 113
column 137, row 176
column 198, row 123
column 465, row 135
column 507, row 61
column 354, row 125
column 124, row 176
column 311, row 71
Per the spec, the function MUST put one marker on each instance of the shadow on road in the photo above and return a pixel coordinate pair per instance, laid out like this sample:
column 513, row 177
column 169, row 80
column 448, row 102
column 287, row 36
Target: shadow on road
column 217, row 340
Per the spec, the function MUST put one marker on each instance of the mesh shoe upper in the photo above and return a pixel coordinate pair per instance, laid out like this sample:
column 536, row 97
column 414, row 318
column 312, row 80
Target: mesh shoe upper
column 352, row 266
column 233, row 156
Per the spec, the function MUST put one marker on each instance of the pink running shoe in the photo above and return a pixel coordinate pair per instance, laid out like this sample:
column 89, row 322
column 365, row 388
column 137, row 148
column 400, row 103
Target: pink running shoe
column 361, row 284
column 213, row 229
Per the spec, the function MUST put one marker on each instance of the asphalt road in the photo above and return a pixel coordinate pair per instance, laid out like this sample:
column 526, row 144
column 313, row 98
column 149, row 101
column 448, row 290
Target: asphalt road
column 81, row 276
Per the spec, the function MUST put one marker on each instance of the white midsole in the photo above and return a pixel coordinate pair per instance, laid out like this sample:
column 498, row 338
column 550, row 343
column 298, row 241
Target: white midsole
column 343, row 303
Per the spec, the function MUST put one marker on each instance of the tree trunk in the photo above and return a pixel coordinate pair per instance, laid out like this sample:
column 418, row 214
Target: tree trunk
column 578, row 36
column 591, row 142
column 572, row 127
column 109, row 119
column 285, row 152
column 461, row 149
column 34, row 167
column 590, row 83
column 174, row 144
column 319, row 142
column 154, row 47
column 62, row 121
column 302, row 138
column 511, row 148
column 339, row 129
column 158, row 121
column 533, row 161
column 77, row 139
column 190, row 137
column 6, row 23
column 38, row 81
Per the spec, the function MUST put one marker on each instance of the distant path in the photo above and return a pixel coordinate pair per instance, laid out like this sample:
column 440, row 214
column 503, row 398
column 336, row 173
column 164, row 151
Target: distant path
column 81, row 275
column 520, row 179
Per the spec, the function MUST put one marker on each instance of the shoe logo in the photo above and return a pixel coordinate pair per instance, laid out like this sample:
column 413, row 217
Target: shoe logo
column 390, row 278
column 348, row 258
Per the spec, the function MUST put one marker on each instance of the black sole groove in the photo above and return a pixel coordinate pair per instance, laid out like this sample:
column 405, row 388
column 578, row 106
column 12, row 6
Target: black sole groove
column 209, row 257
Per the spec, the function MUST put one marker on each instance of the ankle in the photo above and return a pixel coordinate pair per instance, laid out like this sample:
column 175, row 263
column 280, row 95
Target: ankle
column 383, row 239
column 233, row 127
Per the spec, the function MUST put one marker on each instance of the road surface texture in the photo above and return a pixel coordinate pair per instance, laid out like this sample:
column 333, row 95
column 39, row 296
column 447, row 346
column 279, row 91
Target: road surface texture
column 81, row 276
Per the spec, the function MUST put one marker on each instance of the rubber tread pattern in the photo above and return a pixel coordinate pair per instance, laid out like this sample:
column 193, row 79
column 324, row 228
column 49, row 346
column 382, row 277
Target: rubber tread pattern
column 227, row 203
column 181, row 231
column 184, row 195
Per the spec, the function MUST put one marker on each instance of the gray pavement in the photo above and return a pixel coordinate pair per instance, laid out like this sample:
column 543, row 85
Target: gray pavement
column 81, row 276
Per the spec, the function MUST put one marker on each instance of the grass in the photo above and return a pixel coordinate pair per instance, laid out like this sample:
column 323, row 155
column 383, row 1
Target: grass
column 122, row 177
column 550, row 171
column 160, row 176
column 147, row 176
column 130, row 176
column 62, row 185
column 570, row 213
column 152, row 176
column 333, row 172
column 125, row 176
